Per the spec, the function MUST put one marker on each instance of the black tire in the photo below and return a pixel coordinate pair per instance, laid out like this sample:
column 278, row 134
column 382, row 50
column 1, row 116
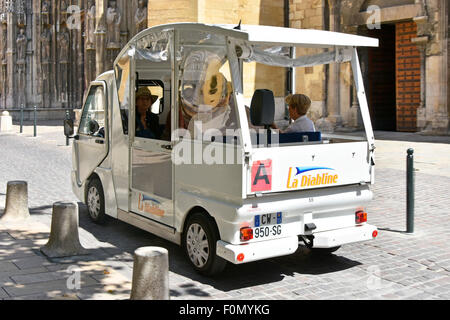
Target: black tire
column 203, row 259
column 95, row 201
column 324, row 251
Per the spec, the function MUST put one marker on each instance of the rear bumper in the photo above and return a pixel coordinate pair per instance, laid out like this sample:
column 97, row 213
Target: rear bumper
column 257, row 250
column 254, row 251
column 335, row 238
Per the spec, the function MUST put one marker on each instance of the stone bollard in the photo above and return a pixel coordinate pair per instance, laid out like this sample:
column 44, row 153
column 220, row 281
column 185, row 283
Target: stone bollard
column 64, row 240
column 150, row 274
column 5, row 122
column 16, row 205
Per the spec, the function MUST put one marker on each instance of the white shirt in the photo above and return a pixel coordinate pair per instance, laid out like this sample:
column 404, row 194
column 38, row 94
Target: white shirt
column 301, row 124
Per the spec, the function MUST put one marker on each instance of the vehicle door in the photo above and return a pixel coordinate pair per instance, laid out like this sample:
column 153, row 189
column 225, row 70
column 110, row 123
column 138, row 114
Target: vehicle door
column 91, row 141
column 151, row 152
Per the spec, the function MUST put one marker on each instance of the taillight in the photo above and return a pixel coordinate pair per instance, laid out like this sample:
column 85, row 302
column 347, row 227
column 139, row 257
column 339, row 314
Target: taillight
column 360, row 217
column 240, row 257
column 246, row 234
column 374, row 234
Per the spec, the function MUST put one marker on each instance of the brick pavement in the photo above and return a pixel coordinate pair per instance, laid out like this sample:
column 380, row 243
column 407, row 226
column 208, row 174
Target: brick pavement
column 394, row 266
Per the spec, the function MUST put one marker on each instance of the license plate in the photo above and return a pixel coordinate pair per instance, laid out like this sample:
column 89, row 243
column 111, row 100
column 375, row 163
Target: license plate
column 267, row 231
column 268, row 219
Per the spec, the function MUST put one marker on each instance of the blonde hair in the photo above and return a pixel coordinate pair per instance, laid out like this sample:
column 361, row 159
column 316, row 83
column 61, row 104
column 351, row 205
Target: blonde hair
column 300, row 102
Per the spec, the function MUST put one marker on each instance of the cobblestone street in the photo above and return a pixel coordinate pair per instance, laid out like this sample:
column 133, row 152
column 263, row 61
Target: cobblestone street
column 394, row 266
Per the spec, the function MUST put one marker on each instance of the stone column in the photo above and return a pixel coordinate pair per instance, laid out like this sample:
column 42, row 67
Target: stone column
column 63, row 45
column 11, row 39
column 421, row 43
column 4, row 62
column 90, row 41
column 333, row 90
column 113, row 36
column 357, row 121
column 436, row 71
column 100, row 35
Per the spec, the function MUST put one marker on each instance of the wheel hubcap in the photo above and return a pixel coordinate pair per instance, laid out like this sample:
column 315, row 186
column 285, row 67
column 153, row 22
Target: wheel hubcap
column 93, row 202
column 197, row 245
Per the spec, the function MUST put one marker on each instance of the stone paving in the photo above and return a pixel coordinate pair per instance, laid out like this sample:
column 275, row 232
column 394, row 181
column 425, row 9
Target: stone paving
column 394, row 266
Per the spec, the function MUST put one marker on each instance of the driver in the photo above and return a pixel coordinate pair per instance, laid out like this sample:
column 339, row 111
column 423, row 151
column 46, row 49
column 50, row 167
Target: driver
column 147, row 123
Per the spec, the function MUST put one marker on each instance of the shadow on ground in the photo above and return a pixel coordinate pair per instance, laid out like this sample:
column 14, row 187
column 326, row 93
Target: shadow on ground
column 128, row 238
column 40, row 209
column 37, row 277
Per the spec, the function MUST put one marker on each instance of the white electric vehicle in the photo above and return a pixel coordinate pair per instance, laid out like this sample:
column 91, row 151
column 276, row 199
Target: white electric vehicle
column 211, row 176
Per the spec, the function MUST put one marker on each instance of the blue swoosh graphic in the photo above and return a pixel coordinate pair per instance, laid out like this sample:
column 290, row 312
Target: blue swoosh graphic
column 301, row 170
column 144, row 197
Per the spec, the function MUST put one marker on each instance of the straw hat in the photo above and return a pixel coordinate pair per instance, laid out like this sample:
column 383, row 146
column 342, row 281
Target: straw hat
column 145, row 92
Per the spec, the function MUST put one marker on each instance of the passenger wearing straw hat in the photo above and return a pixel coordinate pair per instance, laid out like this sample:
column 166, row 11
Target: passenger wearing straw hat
column 147, row 123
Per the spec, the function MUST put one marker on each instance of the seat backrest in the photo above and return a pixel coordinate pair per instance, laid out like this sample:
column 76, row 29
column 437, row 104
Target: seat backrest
column 262, row 108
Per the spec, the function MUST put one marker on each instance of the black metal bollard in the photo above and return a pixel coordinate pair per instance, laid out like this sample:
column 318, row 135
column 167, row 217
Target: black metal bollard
column 410, row 191
column 35, row 120
column 67, row 118
column 21, row 118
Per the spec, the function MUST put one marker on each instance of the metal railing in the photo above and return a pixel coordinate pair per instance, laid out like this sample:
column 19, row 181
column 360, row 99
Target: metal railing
column 35, row 109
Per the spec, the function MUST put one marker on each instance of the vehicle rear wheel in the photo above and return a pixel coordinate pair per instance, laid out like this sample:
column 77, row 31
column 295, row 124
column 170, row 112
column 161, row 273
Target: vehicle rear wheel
column 95, row 201
column 199, row 241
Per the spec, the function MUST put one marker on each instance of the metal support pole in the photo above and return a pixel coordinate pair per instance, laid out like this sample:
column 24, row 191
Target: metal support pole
column 21, row 118
column 67, row 118
column 410, row 191
column 35, row 120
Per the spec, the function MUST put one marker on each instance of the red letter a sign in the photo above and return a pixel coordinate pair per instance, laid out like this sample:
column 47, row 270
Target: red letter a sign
column 262, row 175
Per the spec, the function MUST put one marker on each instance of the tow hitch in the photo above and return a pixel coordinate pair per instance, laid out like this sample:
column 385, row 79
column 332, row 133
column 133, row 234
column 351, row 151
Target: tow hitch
column 307, row 240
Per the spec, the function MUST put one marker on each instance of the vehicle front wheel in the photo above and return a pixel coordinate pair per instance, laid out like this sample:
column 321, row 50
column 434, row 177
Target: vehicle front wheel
column 95, row 201
column 199, row 241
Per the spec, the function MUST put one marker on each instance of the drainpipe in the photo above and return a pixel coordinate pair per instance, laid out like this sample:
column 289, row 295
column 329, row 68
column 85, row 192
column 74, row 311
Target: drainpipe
column 290, row 71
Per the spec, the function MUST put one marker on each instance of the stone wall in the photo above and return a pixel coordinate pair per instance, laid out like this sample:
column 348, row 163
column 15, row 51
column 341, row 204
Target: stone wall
column 50, row 64
column 253, row 12
column 332, row 90
column 312, row 80
column 163, row 11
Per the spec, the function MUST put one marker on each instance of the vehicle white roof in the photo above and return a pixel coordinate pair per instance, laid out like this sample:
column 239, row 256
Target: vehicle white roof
column 304, row 37
column 276, row 35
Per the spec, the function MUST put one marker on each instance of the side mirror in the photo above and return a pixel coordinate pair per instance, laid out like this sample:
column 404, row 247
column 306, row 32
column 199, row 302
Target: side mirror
column 262, row 108
column 68, row 127
column 93, row 127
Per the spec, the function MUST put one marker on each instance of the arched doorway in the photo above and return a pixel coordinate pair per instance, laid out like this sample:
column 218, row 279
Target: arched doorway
column 394, row 68
column 381, row 79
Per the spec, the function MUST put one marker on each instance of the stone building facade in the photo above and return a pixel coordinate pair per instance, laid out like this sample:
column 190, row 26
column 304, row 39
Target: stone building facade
column 406, row 78
column 52, row 49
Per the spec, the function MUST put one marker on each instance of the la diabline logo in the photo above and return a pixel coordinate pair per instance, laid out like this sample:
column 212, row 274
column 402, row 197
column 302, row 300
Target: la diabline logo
column 309, row 180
